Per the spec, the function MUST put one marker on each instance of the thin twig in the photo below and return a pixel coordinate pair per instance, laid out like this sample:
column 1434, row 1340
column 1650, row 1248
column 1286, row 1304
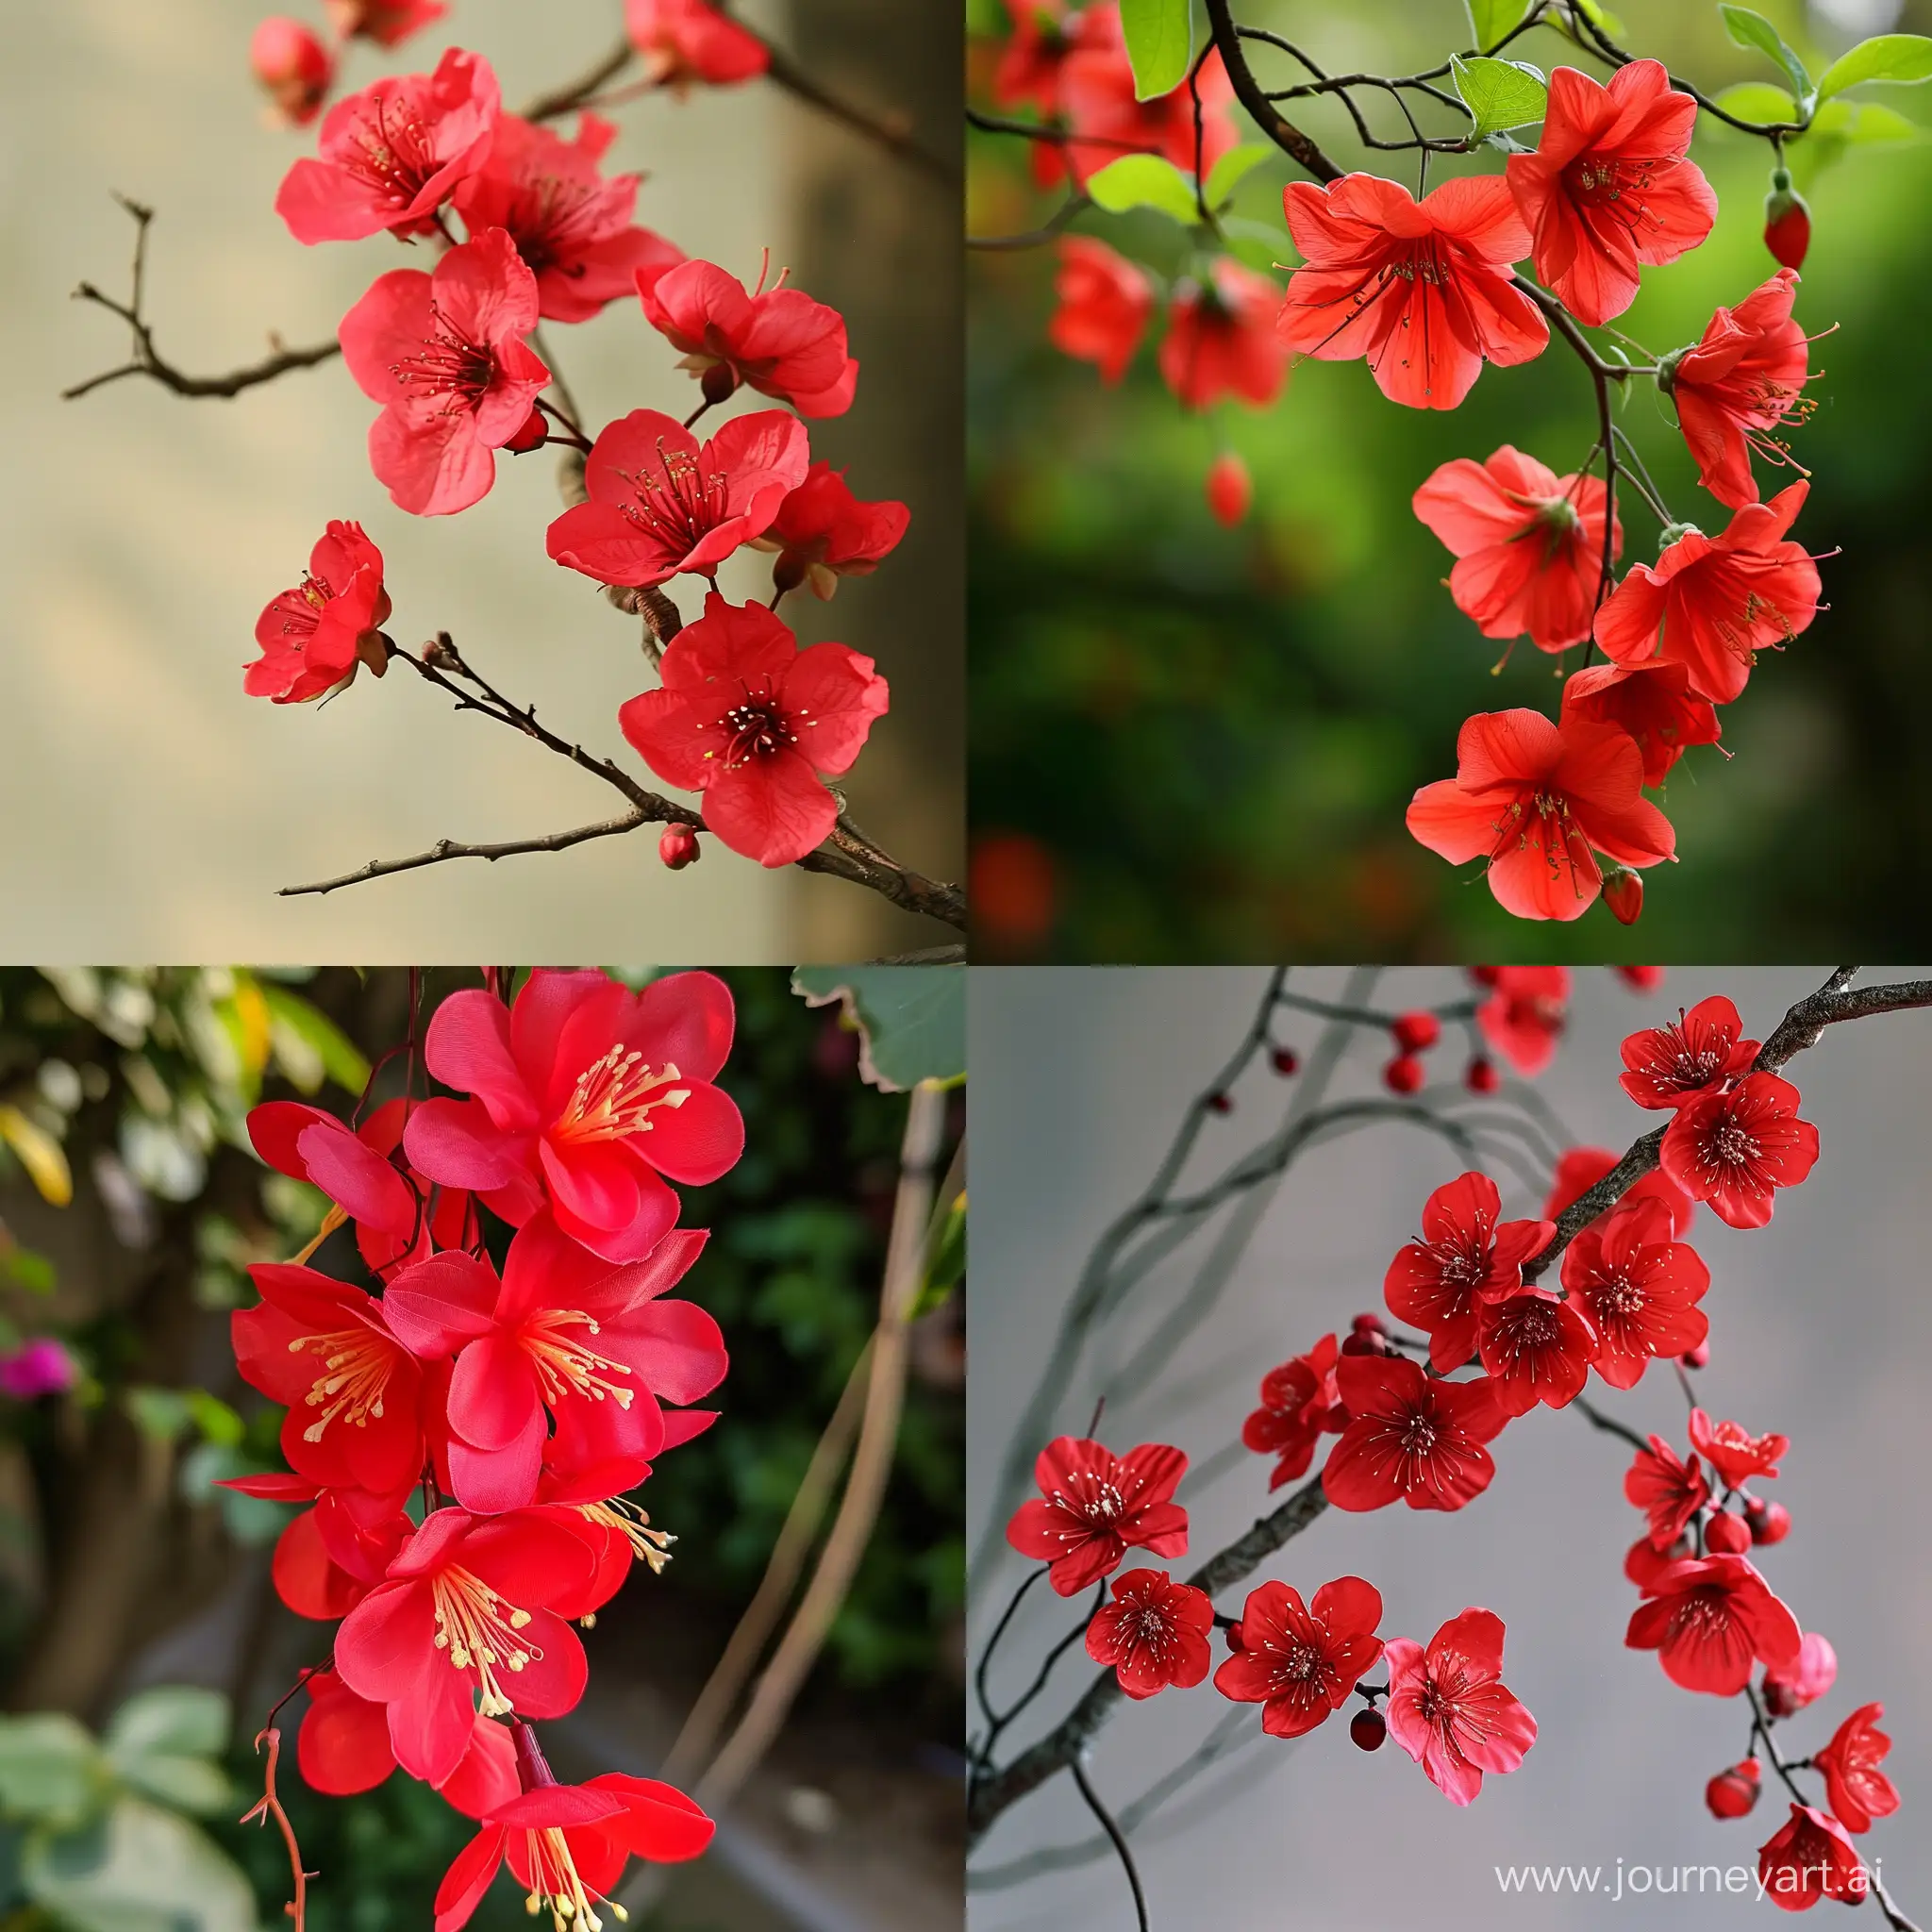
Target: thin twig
column 1120, row 1843
column 269, row 1805
column 577, row 93
column 451, row 848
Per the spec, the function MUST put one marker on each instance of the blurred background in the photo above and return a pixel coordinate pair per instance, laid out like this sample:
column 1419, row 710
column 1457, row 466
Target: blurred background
column 143, row 533
column 1191, row 743
column 142, row 1643
column 1818, row 1329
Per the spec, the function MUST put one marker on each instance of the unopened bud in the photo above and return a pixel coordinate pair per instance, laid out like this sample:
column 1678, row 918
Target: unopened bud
column 1416, row 1032
column 1229, row 488
column 1624, row 895
column 293, row 66
column 1697, row 1357
column 679, row 847
column 1769, row 1522
column 1726, row 1534
column 1787, row 222
column 1286, row 1061
column 531, row 436
column 1733, row 1792
column 1481, row 1076
column 718, row 382
column 1405, row 1073
column 1367, row 1728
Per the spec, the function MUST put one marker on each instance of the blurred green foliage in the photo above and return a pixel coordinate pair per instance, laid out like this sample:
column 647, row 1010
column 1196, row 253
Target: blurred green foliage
column 1213, row 734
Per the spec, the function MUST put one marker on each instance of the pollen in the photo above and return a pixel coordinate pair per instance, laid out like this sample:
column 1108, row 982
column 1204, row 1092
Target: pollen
column 652, row 1546
column 356, row 1366
column 566, row 1367
column 480, row 1632
column 615, row 1096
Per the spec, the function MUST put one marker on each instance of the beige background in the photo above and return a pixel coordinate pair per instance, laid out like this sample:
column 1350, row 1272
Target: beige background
column 152, row 810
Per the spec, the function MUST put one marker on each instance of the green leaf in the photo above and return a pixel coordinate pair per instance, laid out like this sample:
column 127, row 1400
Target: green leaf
column 1491, row 19
column 1902, row 58
column 1876, row 123
column 1145, row 181
column 911, row 1019
column 1229, row 173
column 26, row 1269
column 162, row 1413
column 1759, row 100
column 1499, row 94
column 180, row 1719
column 145, row 1871
column 49, row 1768
column 1255, row 243
column 1160, row 43
column 1750, row 29
column 340, row 1060
column 1602, row 18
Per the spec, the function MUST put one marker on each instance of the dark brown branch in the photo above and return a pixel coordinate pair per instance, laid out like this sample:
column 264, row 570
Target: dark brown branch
column 891, row 131
column 1267, row 117
column 577, row 93
column 450, row 848
column 145, row 360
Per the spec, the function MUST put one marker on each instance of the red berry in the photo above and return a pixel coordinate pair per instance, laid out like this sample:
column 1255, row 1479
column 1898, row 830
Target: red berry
column 679, row 847
column 1416, row 1032
column 1482, row 1076
column 1624, row 895
column 1287, row 1062
column 1368, row 1729
column 1221, row 1103
column 1369, row 1324
column 1230, row 488
column 1698, row 1357
column 1732, row 1792
column 1726, row 1535
column 1769, row 1522
column 1403, row 1075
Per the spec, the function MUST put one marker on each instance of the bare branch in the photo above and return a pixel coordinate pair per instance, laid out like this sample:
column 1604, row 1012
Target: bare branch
column 577, row 93
column 451, row 848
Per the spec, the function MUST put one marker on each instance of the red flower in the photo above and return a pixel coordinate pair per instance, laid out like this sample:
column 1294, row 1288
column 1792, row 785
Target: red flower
column 1738, row 384
column 1710, row 1617
column 1672, row 1066
column 1858, row 1790
column 1529, row 544
column 353, row 1389
column 685, row 40
column 751, row 721
column 1638, row 1287
column 778, row 341
column 393, row 153
column 1465, row 1254
column 1608, row 187
column 587, row 1096
column 313, row 637
column 1669, row 1492
column 1712, row 603
column 1220, row 338
column 566, row 1846
column 1028, row 74
column 571, row 227
column 1098, row 95
column 1538, row 801
column 444, row 355
column 1298, row 1403
column 1106, row 302
column 1300, row 1662
column 1581, row 1168
column 1736, row 1149
column 1811, row 1858
column 344, row 1748
column 1421, row 289
column 1097, row 1506
column 295, row 68
column 1655, row 704
column 823, row 533
column 465, row 1623
column 1153, row 1633
column 1410, row 1436
column 1733, row 1452
column 1525, row 1013
column 1535, row 1349
column 385, row 22
column 1804, row 1679
column 1449, row 1708
column 661, row 502
column 565, row 1336
column 330, row 1556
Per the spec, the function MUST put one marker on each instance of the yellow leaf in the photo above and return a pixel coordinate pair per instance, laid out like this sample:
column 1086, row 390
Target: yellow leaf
column 40, row 1154
column 254, row 1023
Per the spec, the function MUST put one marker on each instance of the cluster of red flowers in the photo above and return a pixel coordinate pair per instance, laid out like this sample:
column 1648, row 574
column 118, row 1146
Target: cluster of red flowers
column 465, row 1436
column 743, row 716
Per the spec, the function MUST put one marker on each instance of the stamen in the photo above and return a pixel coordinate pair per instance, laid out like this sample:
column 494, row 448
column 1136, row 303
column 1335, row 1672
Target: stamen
column 566, row 1368
column 478, row 1629
column 613, row 1098
column 357, row 1363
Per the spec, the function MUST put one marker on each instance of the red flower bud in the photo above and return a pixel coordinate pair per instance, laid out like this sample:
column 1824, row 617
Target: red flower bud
column 1642, row 979
column 531, row 436
column 1769, row 1522
column 1698, row 1357
column 1482, row 1076
column 1726, row 1535
column 1787, row 222
column 293, row 66
column 1369, row 1324
column 1403, row 1075
column 1368, row 1729
column 1287, row 1062
column 718, row 382
column 1416, row 1032
column 1230, row 488
column 1221, row 1103
column 1363, row 1342
column 679, row 847
column 1624, row 895
column 1732, row 1792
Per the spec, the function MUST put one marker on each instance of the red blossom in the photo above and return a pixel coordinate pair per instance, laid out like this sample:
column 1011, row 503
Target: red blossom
column 1739, row 383
column 1858, row 1790
column 1097, row 1505
column 1653, row 701
column 1105, row 303
column 1153, row 1633
column 295, row 68
column 344, row 1748
column 313, row 637
column 1638, row 1287
column 385, row 22
column 686, row 41
column 332, row 1555
column 393, row 153
column 1300, row 1662
column 778, row 340
column 1811, row 1858
column 661, row 503
column 1410, row 1436
column 1299, row 1402
column 823, row 533
column 1449, row 1708
column 1029, row 73
column 751, row 721
column 1528, row 543
column 1535, row 1349
column 1579, row 1169
column 587, row 1096
column 1804, row 1679
column 1733, row 1452
column 1538, row 801
column 1710, row 1618
column 1220, row 338
column 1734, row 1149
column 1525, row 1013
column 1466, row 1255
column 1608, row 187
column 572, row 227
column 1098, row 96
column 445, row 355
column 1668, row 1491
column 1701, row 1053
column 1421, row 289
column 1732, row 1794
column 1711, row 603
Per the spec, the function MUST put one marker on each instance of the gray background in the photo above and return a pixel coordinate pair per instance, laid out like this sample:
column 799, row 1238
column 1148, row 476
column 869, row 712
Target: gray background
column 151, row 809
column 1821, row 1329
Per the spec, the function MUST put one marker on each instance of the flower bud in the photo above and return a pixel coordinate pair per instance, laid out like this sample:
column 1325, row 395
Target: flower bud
column 1367, row 1728
column 1364, row 1342
column 1416, row 1032
column 1481, row 1076
column 1221, row 1103
column 1769, row 1522
column 1732, row 1792
column 718, row 382
column 1726, row 1535
column 1698, row 1357
column 1403, row 1073
column 1286, row 1061
column 531, row 436
column 1369, row 1324
column 1230, row 489
column 1787, row 222
column 1624, row 895
column 293, row 67
column 679, row 847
